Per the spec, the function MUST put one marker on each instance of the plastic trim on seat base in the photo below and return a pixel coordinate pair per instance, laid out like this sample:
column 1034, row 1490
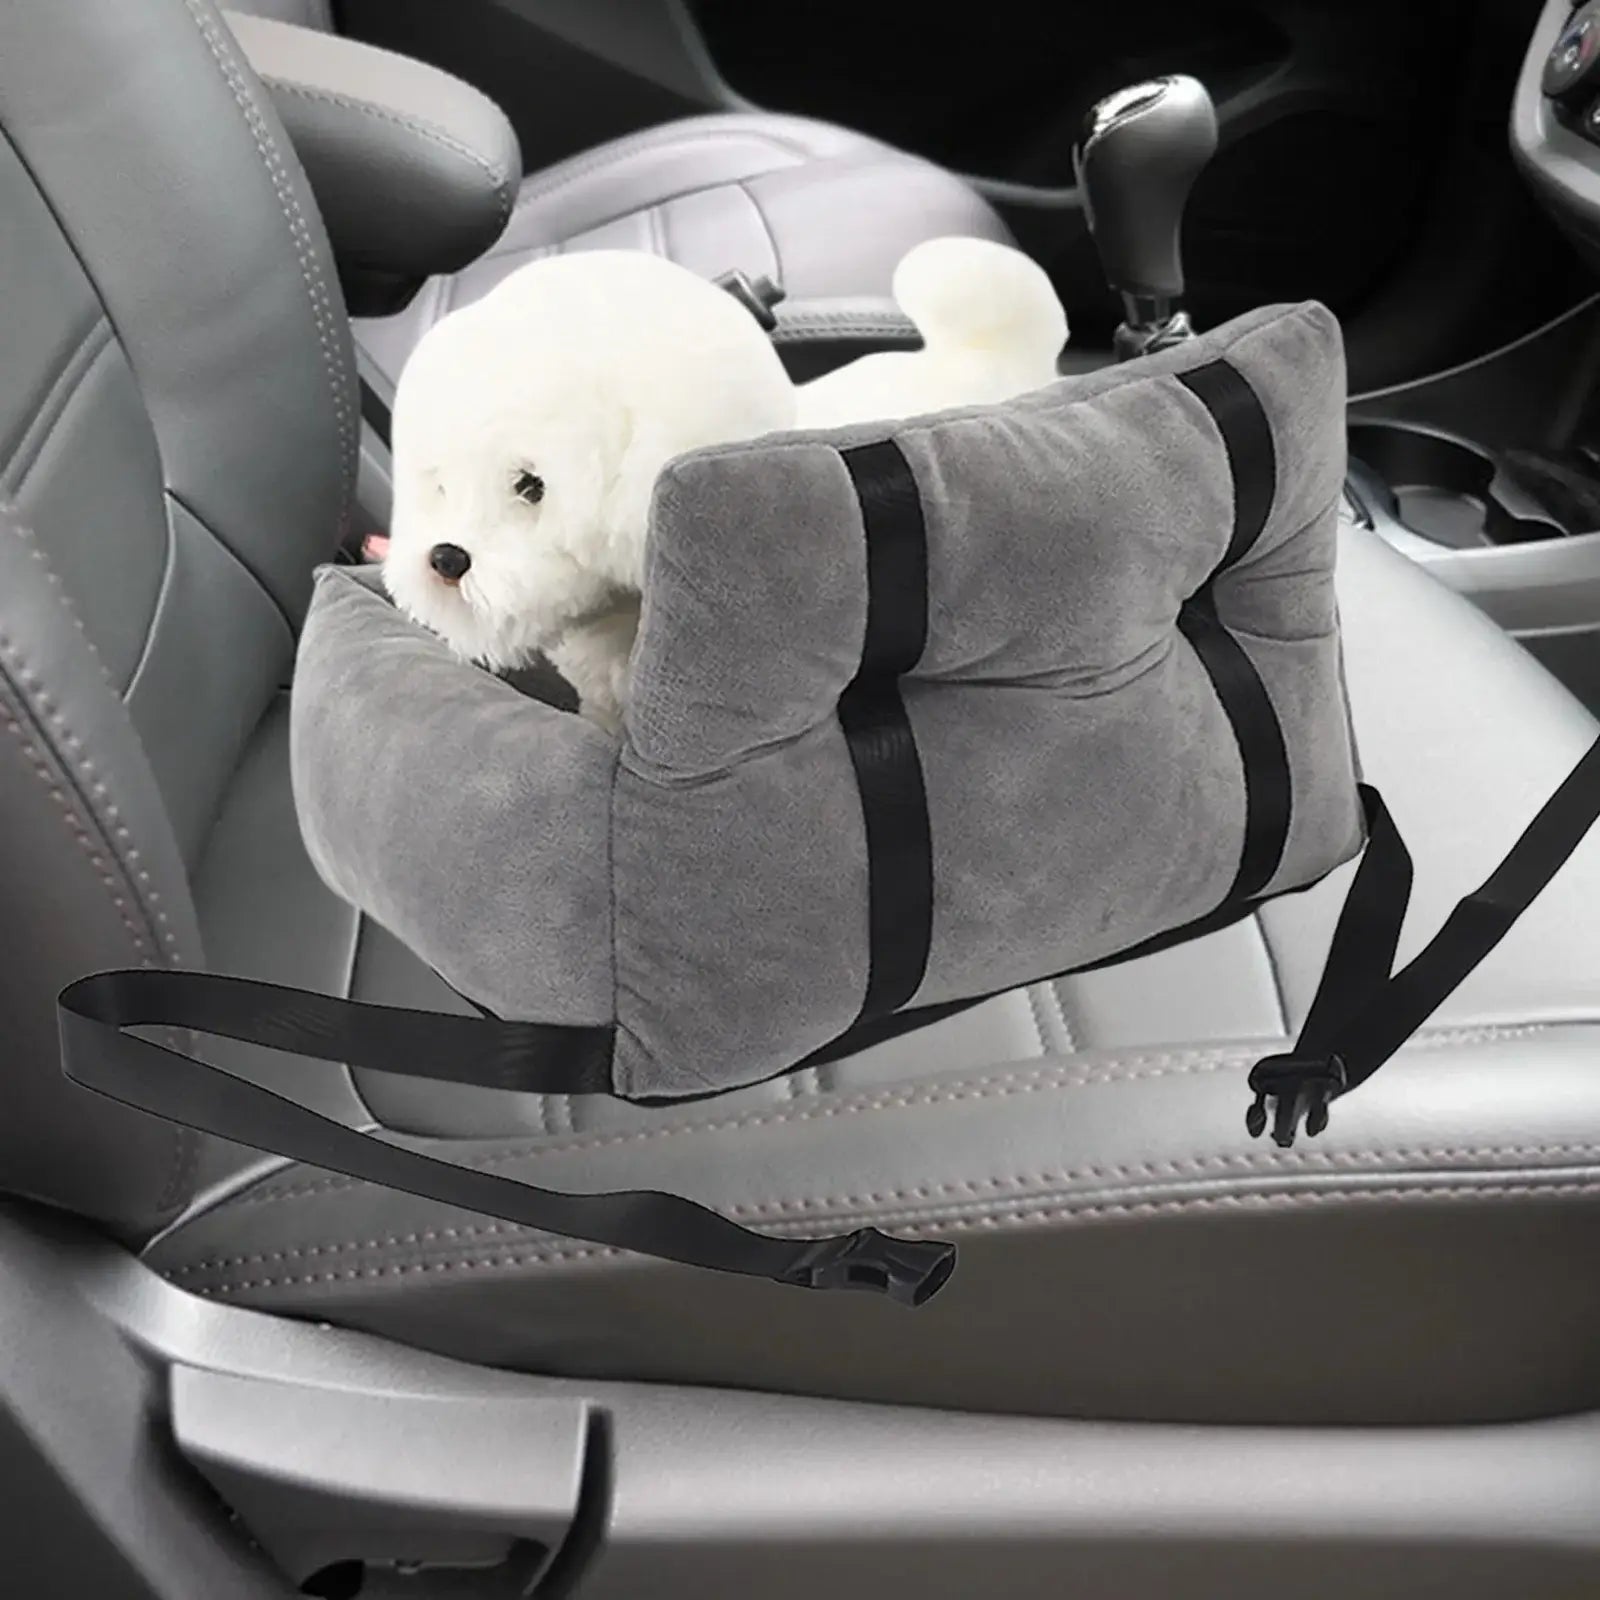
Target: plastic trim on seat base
column 716, row 1492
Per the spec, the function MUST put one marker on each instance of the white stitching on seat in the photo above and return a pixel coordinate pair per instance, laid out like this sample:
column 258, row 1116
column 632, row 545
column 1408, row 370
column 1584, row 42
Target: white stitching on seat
column 1245, row 1164
column 75, row 827
column 544, row 1256
column 97, row 796
column 500, row 178
column 999, row 1086
column 987, row 1087
column 1273, row 1165
column 1058, row 998
column 1277, row 1201
column 400, row 1269
column 10, row 519
column 322, row 307
column 183, row 1143
column 795, row 326
column 1036, row 1013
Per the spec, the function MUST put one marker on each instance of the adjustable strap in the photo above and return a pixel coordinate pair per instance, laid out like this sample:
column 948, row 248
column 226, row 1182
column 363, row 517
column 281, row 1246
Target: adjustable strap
column 1363, row 1011
column 1241, row 420
column 878, row 733
column 98, row 1053
column 375, row 411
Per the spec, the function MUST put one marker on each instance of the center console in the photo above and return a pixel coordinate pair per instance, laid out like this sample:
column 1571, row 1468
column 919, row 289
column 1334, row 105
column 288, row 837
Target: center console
column 1489, row 474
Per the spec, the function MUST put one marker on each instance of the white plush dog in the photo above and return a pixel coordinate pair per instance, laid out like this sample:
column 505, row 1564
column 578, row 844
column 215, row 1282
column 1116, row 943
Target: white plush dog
column 530, row 427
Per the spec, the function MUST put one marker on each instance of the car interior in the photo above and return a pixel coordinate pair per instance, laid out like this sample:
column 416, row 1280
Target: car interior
column 1175, row 1363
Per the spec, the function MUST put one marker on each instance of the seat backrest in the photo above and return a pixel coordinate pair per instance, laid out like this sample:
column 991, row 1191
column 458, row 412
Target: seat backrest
column 178, row 428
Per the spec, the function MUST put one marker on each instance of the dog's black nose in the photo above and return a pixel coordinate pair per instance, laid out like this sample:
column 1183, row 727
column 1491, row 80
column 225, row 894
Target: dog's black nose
column 450, row 561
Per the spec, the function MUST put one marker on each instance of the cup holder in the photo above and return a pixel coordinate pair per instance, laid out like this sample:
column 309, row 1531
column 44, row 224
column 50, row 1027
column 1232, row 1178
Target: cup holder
column 1443, row 488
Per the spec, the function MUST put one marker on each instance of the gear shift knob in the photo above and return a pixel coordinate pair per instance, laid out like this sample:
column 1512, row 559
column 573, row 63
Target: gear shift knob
column 1141, row 151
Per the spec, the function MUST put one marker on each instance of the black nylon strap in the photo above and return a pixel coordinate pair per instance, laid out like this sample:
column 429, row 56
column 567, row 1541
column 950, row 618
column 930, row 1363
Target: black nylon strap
column 99, row 1054
column 883, row 750
column 1262, row 752
column 1363, row 1010
column 1247, row 437
column 375, row 412
column 486, row 1053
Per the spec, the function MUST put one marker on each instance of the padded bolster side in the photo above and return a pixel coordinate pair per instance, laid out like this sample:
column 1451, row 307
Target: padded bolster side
column 415, row 172
column 1278, row 600
column 470, row 821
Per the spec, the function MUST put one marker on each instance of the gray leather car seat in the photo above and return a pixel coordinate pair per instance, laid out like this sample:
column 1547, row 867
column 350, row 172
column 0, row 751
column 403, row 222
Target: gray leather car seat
column 824, row 211
column 177, row 428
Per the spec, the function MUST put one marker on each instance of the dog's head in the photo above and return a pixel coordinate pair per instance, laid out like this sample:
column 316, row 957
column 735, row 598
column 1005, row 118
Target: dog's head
column 512, row 473
column 529, row 430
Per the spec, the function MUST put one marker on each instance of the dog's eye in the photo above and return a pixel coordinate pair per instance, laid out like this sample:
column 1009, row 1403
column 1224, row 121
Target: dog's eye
column 528, row 487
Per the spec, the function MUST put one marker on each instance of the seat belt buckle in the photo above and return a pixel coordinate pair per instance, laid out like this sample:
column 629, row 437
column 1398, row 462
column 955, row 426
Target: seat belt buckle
column 908, row 1271
column 1301, row 1086
column 757, row 295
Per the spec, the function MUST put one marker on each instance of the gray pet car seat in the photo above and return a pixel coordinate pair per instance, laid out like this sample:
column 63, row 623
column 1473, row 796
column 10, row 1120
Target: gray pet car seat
column 919, row 713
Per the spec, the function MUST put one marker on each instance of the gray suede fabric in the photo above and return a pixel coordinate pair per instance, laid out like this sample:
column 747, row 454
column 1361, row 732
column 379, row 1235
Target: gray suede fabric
column 470, row 821
column 704, row 885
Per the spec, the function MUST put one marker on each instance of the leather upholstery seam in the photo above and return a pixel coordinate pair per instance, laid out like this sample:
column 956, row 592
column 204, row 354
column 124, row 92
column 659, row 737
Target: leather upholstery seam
column 93, row 795
column 232, row 553
column 512, row 247
column 1036, row 1013
column 989, row 1087
column 500, row 178
column 870, row 1206
column 1575, row 1183
column 883, row 321
column 1058, row 998
column 843, row 333
column 10, row 519
column 77, row 822
column 23, row 453
column 31, row 701
column 169, row 563
column 21, row 471
column 323, row 311
column 536, row 189
column 1002, row 1086
column 93, row 792
column 541, row 1255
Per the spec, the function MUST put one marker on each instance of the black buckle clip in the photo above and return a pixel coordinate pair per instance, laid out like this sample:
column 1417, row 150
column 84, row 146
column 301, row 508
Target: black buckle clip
column 1301, row 1086
column 757, row 295
column 910, row 1271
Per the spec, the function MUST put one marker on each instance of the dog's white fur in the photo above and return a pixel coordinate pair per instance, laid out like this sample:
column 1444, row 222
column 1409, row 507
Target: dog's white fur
column 591, row 372
column 991, row 325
